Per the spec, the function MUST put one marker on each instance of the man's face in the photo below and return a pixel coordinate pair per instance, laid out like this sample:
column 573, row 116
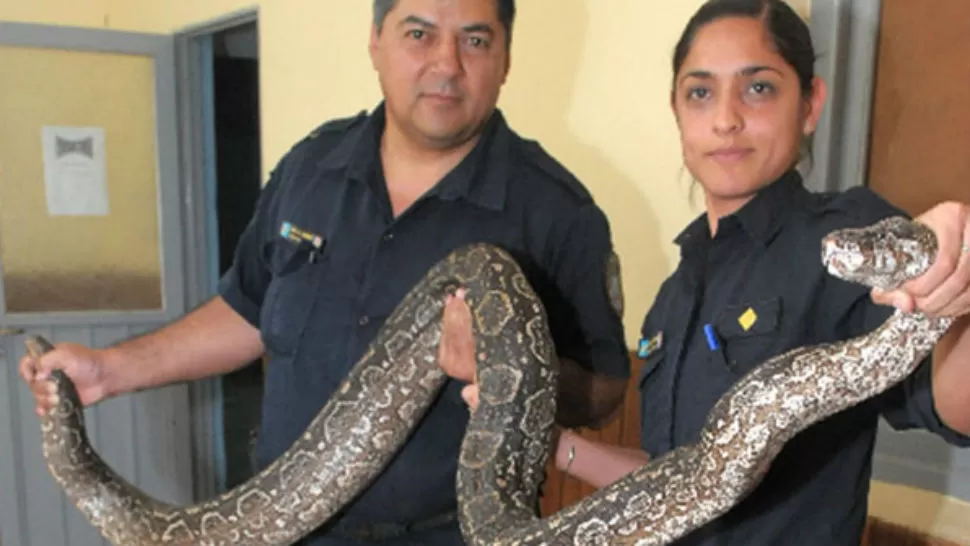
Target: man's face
column 441, row 65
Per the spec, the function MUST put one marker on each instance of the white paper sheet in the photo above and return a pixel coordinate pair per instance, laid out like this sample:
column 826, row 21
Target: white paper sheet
column 74, row 171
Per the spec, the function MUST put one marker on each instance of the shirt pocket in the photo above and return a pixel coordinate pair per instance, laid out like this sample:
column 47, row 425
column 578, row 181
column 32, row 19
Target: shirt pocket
column 749, row 333
column 290, row 295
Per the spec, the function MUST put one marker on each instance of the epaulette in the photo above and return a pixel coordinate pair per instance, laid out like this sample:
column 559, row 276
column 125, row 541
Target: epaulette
column 850, row 200
column 332, row 127
column 337, row 125
column 538, row 157
column 859, row 203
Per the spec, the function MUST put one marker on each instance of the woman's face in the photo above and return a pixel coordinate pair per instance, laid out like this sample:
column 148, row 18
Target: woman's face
column 741, row 112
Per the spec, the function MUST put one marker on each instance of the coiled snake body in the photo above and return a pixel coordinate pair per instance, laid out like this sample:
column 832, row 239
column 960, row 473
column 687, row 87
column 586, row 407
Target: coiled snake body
column 506, row 444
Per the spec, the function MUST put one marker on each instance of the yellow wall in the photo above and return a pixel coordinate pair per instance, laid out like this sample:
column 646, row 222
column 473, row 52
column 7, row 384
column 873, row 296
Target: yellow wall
column 803, row 7
column 86, row 13
column 597, row 100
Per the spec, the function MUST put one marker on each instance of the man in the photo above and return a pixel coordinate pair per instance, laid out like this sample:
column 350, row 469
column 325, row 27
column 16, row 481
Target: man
column 432, row 168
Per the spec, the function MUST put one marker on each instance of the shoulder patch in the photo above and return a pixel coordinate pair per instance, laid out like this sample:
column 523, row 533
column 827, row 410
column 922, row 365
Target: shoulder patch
column 614, row 283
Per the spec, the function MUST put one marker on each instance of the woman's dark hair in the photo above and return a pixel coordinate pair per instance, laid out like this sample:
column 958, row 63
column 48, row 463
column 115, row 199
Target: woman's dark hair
column 788, row 32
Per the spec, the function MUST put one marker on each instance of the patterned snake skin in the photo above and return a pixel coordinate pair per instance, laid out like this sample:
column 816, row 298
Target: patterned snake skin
column 506, row 445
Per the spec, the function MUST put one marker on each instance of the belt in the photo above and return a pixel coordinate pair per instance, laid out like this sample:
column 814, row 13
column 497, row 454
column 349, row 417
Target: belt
column 388, row 530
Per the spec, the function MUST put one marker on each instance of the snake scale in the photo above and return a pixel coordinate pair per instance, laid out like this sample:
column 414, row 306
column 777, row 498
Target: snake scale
column 506, row 444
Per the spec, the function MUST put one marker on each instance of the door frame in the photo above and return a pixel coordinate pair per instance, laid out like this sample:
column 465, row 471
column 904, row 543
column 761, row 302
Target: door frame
column 196, row 141
column 197, row 146
column 846, row 36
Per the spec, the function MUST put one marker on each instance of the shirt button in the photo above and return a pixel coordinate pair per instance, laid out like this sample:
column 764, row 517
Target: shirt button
column 388, row 237
column 364, row 321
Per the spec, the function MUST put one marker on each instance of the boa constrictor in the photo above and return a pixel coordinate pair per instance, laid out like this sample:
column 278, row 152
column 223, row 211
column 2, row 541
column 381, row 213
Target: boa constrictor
column 506, row 445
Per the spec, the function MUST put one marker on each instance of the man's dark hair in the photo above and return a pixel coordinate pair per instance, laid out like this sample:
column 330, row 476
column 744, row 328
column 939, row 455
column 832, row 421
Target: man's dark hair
column 506, row 14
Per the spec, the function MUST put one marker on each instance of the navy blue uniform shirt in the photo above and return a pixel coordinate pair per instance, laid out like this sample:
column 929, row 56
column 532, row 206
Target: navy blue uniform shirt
column 317, row 319
column 760, row 284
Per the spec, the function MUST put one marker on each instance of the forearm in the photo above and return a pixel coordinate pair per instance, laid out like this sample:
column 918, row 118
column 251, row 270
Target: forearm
column 595, row 463
column 211, row 340
column 585, row 399
column 951, row 377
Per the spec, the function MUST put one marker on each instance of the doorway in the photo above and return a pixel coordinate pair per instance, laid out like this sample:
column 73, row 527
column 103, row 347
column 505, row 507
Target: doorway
column 223, row 172
column 235, row 107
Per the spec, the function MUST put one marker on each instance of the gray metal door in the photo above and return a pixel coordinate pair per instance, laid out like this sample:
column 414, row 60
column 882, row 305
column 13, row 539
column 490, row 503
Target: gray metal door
column 91, row 251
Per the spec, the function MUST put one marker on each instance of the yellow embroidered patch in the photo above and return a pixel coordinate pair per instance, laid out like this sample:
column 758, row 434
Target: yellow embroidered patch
column 747, row 319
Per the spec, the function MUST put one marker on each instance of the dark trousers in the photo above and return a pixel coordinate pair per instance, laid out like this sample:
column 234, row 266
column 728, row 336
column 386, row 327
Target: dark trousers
column 446, row 536
column 439, row 531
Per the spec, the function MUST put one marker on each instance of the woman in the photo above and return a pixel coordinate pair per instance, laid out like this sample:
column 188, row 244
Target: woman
column 750, row 286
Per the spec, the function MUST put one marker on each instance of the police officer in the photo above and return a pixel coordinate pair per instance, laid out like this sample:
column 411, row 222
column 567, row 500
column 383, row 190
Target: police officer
column 750, row 286
column 352, row 217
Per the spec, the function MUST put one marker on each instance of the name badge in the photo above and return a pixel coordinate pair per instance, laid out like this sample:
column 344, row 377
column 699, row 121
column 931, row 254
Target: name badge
column 301, row 236
column 647, row 347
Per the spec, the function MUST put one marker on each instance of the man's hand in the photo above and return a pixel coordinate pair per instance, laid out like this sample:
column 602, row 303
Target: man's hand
column 84, row 366
column 944, row 290
column 456, row 352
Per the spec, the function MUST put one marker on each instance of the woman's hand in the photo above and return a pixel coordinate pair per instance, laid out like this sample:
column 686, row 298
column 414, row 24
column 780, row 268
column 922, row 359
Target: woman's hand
column 944, row 290
column 456, row 352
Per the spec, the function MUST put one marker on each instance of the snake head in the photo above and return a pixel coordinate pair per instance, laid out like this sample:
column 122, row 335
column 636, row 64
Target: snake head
column 882, row 255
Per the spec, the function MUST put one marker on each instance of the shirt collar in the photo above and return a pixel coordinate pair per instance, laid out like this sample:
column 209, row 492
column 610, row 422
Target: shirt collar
column 761, row 218
column 481, row 177
column 764, row 216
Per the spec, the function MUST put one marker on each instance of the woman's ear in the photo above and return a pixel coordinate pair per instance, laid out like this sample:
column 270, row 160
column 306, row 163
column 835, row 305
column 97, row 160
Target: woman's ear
column 815, row 103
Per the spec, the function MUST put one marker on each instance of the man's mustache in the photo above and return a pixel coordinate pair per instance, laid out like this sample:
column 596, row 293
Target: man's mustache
column 446, row 88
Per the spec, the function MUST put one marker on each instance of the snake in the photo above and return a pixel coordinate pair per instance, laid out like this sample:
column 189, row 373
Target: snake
column 501, row 464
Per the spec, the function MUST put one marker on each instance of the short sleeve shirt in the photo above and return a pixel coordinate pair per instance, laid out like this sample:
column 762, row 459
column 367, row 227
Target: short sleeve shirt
column 317, row 316
column 759, row 289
